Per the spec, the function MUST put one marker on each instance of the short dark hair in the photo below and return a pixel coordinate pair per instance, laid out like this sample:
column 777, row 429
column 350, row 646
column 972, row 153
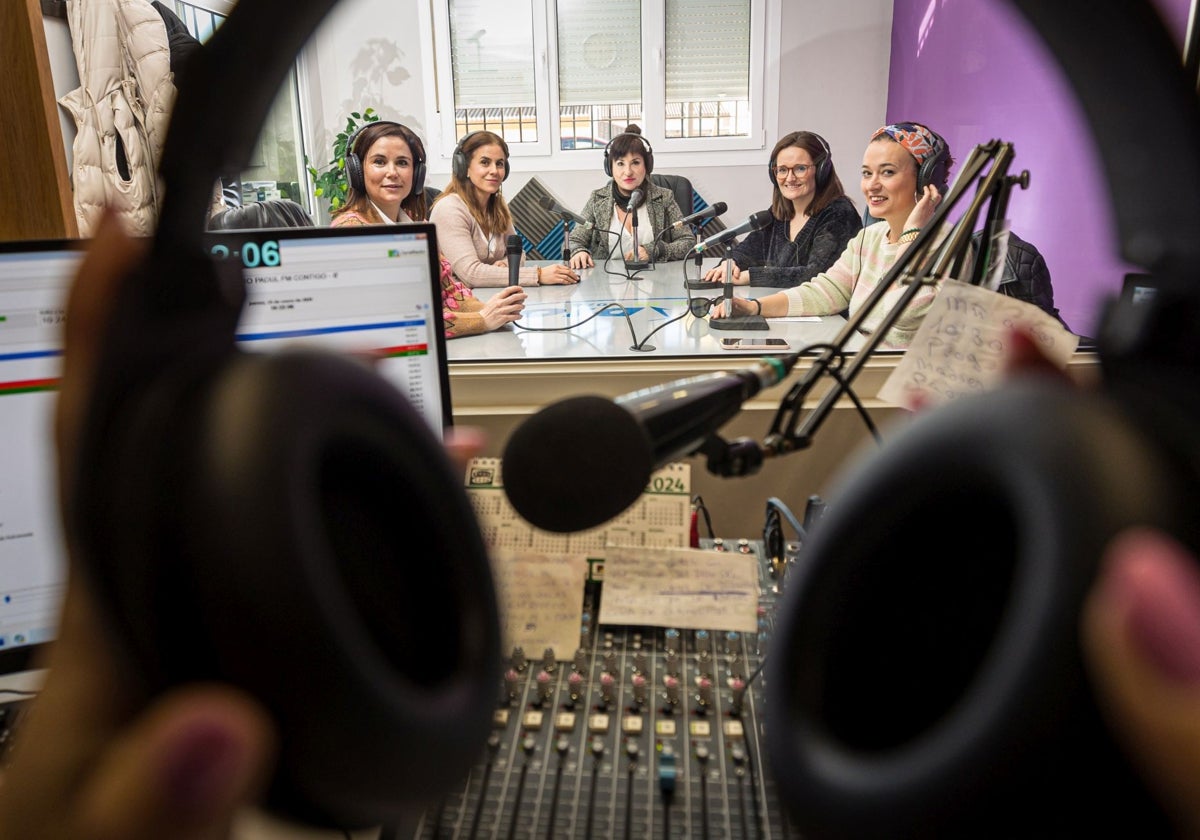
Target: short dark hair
column 631, row 142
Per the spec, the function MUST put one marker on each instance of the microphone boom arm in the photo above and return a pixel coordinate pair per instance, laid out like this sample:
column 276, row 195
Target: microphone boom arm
column 925, row 261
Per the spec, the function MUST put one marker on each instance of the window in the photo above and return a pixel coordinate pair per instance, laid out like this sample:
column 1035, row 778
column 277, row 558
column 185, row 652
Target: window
column 556, row 77
column 276, row 169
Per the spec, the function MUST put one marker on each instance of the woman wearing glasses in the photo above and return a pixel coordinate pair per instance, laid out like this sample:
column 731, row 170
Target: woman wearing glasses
column 813, row 219
column 903, row 168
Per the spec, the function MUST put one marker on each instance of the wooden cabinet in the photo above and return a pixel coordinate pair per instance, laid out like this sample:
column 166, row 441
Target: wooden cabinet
column 37, row 201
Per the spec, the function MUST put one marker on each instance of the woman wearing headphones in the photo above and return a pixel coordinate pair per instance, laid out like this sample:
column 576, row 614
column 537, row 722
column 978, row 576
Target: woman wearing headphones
column 629, row 160
column 812, row 219
column 904, row 167
column 385, row 166
column 473, row 220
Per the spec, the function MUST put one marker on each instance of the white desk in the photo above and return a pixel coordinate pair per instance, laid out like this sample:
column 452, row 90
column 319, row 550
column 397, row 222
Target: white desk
column 653, row 300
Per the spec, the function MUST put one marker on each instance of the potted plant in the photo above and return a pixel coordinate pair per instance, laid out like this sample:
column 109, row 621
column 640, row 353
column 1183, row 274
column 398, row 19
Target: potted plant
column 329, row 184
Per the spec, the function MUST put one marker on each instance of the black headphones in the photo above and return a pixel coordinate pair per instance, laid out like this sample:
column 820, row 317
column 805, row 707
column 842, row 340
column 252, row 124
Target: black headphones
column 926, row 677
column 824, row 164
column 354, row 167
column 236, row 514
column 935, row 168
column 647, row 153
column 459, row 162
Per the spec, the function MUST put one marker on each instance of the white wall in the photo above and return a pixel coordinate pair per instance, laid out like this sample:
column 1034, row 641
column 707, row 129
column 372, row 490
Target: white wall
column 833, row 70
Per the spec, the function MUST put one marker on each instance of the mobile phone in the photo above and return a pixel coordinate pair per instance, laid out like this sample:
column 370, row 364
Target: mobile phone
column 755, row 343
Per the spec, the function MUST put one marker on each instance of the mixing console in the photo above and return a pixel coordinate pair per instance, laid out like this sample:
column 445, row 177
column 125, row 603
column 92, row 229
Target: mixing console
column 646, row 732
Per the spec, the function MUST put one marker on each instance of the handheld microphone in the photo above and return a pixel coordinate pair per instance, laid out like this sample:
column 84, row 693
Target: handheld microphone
column 757, row 221
column 702, row 216
column 551, row 206
column 512, row 250
column 627, row 440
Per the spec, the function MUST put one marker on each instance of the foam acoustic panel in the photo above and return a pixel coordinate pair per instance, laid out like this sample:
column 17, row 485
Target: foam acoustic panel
column 542, row 232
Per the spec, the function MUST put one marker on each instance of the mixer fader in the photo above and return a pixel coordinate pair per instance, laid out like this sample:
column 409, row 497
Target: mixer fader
column 644, row 732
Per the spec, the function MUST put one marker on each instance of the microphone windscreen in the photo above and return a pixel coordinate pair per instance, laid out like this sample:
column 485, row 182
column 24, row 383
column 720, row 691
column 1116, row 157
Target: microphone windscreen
column 576, row 464
column 719, row 208
column 512, row 245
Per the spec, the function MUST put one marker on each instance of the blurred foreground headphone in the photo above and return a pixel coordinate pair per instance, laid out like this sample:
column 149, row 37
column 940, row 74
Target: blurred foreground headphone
column 459, row 162
column 647, row 152
column 285, row 523
column 824, row 164
column 926, row 678
column 354, row 166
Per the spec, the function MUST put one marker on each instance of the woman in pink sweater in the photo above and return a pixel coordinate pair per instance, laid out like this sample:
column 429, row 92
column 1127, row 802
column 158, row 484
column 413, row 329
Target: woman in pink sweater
column 473, row 221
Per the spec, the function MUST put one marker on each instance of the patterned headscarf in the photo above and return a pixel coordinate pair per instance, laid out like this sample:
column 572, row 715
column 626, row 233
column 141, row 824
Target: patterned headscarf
column 916, row 139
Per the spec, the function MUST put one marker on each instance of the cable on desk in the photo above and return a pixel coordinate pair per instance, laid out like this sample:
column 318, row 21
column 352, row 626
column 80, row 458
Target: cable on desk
column 773, row 542
column 613, row 305
column 699, row 507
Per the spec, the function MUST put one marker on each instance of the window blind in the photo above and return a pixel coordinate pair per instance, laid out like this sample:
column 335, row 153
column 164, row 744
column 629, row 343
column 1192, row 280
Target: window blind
column 707, row 50
column 599, row 52
column 492, row 53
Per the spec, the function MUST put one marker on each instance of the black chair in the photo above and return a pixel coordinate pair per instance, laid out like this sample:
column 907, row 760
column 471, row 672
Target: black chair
column 272, row 213
column 679, row 185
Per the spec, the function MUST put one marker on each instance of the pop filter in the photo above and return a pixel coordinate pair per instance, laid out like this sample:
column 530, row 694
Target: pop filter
column 284, row 523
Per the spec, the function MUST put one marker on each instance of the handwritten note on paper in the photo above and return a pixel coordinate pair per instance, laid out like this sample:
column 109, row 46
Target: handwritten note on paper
column 541, row 601
column 682, row 588
column 962, row 344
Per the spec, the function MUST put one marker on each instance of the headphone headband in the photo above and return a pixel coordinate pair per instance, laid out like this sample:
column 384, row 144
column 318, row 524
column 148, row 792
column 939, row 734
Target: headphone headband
column 353, row 160
column 824, row 165
column 647, row 152
column 460, row 163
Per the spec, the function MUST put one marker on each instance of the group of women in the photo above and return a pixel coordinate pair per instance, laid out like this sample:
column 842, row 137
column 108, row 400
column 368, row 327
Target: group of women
column 816, row 249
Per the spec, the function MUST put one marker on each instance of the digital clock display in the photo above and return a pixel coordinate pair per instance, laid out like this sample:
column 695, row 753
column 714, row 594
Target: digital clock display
column 252, row 254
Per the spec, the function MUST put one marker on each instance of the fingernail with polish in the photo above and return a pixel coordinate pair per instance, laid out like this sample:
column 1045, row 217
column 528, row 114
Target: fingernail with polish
column 1158, row 585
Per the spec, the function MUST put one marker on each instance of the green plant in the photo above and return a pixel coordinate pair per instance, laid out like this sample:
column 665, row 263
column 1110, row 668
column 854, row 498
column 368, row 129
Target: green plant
column 330, row 183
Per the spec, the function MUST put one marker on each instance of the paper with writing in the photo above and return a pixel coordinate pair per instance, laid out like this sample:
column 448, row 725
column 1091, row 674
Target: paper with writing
column 683, row 588
column 541, row 601
column 962, row 344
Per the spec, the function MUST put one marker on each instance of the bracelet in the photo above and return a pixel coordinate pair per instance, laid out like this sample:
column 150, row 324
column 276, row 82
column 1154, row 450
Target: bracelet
column 757, row 303
column 539, row 275
column 909, row 235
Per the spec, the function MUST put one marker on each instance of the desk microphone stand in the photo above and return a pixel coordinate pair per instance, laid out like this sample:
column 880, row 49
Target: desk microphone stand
column 699, row 282
column 636, row 264
column 566, row 248
column 730, row 321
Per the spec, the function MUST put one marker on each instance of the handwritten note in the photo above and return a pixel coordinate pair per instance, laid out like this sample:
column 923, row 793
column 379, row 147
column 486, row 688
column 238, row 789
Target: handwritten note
column 541, row 601
column 962, row 344
column 681, row 588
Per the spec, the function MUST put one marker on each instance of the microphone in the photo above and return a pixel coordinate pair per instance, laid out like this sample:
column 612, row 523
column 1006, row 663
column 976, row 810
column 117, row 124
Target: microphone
column 757, row 221
column 512, row 250
column 635, row 200
column 705, row 214
column 548, row 204
column 614, row 446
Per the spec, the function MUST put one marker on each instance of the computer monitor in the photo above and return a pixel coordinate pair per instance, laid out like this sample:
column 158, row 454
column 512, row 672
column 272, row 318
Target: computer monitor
column 362, row 290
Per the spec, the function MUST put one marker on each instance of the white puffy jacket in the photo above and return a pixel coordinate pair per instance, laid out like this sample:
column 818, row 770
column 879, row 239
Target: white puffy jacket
column 121, row 109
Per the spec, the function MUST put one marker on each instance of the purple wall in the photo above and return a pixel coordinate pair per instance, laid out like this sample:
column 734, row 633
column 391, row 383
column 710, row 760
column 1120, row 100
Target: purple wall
column 974, row 70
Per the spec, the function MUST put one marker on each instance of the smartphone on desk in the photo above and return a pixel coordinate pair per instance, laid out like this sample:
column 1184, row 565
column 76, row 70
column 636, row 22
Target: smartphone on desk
column 755, row 343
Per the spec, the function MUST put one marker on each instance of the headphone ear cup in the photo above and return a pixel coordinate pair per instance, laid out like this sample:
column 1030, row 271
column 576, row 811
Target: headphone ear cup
column 354, row 173
column 926, row 677
column 309, row 509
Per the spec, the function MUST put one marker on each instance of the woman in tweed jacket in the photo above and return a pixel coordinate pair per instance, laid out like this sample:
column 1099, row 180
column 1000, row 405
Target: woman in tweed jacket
column 629, row 160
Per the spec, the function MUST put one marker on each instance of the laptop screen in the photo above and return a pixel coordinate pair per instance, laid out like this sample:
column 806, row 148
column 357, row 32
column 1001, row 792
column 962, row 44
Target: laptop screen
column 369, row 290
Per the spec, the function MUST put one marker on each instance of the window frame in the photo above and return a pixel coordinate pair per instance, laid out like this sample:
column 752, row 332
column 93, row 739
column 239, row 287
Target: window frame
column 545, row 155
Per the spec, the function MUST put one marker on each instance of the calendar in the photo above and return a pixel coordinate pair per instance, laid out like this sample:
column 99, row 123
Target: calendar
column 661, row 518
